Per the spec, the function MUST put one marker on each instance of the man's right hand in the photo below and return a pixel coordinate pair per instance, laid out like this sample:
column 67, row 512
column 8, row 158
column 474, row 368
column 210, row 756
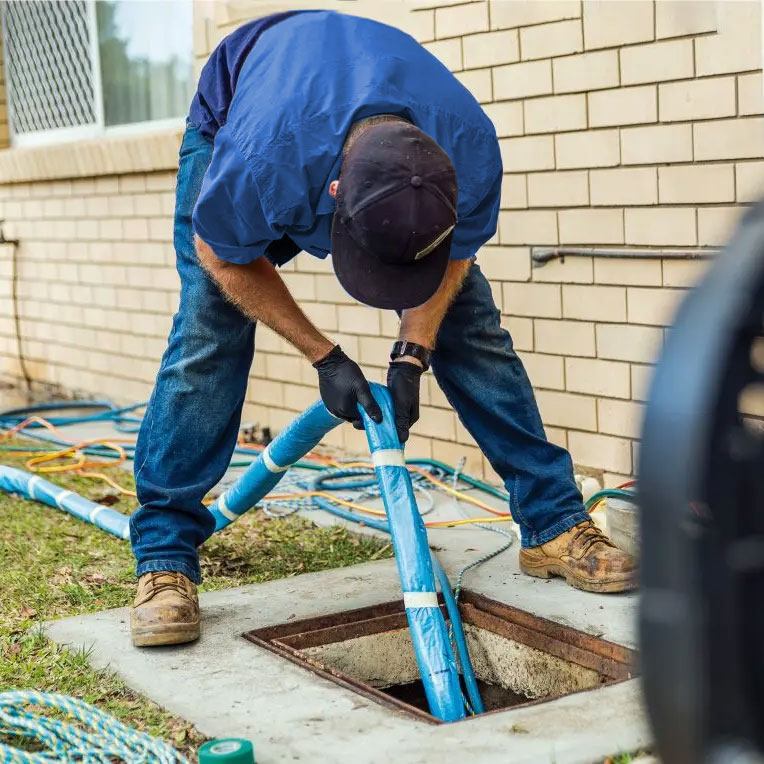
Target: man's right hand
column 343, row 386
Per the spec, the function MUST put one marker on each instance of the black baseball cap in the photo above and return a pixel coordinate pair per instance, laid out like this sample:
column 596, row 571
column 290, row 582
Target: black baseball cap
column 395, row 216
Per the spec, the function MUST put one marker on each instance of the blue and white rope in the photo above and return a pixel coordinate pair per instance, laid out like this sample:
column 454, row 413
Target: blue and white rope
column 94, row 737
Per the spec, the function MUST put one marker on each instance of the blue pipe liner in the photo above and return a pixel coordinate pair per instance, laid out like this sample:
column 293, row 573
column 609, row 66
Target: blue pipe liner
column 293, row 442
column 437, row 665
column 34, row 487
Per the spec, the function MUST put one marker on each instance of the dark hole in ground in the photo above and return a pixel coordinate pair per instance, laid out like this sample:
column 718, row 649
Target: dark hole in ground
column 494, row 696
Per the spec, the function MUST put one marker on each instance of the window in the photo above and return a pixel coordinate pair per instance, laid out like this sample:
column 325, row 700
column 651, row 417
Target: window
column 78, row 67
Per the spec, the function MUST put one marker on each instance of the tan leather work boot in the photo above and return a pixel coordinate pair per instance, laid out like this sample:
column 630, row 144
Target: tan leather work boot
column 585, row 557
column 165, row 611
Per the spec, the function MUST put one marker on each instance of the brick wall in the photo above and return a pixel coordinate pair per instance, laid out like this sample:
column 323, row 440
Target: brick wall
column 627, row 125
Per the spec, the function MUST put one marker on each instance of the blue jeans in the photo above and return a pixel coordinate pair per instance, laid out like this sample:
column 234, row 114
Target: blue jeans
column 192, row 420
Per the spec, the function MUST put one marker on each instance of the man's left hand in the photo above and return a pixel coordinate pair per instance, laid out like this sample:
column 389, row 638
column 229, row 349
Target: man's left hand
column 403, row 383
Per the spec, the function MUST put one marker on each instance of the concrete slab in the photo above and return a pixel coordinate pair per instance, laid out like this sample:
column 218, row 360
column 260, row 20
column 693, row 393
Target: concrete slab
column 227, row 686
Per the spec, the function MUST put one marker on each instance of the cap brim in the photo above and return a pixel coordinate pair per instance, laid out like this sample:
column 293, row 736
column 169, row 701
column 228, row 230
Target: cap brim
column 383, row 285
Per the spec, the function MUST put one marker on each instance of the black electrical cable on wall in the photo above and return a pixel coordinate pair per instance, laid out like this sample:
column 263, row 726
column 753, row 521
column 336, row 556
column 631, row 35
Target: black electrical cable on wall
column 14, row 244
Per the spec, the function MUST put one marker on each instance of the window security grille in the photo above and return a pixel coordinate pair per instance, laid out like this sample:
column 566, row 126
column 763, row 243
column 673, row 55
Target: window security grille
column 49, row 64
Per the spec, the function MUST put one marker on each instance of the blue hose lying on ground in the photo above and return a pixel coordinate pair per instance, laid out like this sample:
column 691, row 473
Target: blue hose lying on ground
column 35, row 487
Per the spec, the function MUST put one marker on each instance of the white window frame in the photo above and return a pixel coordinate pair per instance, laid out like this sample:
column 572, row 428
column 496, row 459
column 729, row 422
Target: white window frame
column 97, row 129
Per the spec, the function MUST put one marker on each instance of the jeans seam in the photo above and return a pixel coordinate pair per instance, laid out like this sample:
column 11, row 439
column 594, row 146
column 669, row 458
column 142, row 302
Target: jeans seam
column 517, row 502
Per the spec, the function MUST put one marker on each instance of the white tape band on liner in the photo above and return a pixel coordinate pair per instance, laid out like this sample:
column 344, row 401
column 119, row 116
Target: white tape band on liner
column 97, row 511
column 420, row 599
column 388, row 457
column 270, row 465
column 60, row 498
column 126, row 532
column 36, row 479
column 222, row 507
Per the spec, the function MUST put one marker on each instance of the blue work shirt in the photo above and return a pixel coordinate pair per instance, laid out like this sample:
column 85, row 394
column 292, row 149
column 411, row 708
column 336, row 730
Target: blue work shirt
column 284, row 99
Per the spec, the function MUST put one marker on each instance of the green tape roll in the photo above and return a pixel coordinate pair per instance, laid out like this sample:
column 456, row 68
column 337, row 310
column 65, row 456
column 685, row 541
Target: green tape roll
column 229, row 750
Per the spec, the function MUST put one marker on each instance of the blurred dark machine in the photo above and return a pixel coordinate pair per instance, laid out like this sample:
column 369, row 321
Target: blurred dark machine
column 701, row 492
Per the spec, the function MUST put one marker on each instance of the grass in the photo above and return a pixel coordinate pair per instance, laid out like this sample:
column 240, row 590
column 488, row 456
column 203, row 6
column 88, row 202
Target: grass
column 52, row 565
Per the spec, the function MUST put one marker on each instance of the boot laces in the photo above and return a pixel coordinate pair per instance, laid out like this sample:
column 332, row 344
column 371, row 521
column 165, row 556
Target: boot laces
column 590, row 535
column 166, row 581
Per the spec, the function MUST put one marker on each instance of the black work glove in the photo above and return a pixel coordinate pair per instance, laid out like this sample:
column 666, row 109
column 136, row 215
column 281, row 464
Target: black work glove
column 403, row 384
column 343, row 386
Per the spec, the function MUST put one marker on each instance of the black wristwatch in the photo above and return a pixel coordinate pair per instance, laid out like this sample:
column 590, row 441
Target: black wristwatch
column 420, row 352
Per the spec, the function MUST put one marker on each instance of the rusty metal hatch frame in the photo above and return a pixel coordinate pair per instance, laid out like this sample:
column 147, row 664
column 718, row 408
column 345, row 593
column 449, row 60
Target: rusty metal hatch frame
column 613, row 662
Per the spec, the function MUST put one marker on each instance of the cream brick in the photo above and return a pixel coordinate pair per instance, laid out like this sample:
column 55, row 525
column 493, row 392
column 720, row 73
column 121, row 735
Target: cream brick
column 630, row 186
column 665, row 226
column 596, row 377
column 505, row 263
column 683, row 273
column 461, row 20
column 679, row 18
column 716, row 224
column 626, row 342
column 323, row 315
column 594, row 303
column 652, row 306
column 589, row 71
column 623, row 106
column 749, row 181
column 564, row 337
column 521, row 331
column 521, row 299
column 422, row 25
column 448, row 52
column 374, row 351
column 559, row 38
column 655, row 62
column 641, row 377
column 301, row 285
column 478, row 82
column 514, row 192
column 555, row 113
column 528, row 227
column 531, row 153
column 328, row 289
column 359, row 319
column 600, row 451
column 737, row 47
column 558, row 189
column 729, row 138
column 697, row 99
column 750, row 94
column 506, row 14
column 627, row 271
column 565, row 270
column 545, row 371
column 490, row 49
column 622, row 418
column 595, row 226
column 507, row 117
column 567, row 410
column 696, row 183
column 656, row 145
column 592, row 148
column 522, row 80
column 436, row 423
column 608, row 24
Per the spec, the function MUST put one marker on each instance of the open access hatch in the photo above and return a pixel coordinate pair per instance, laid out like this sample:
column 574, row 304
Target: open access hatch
column 518, row 658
